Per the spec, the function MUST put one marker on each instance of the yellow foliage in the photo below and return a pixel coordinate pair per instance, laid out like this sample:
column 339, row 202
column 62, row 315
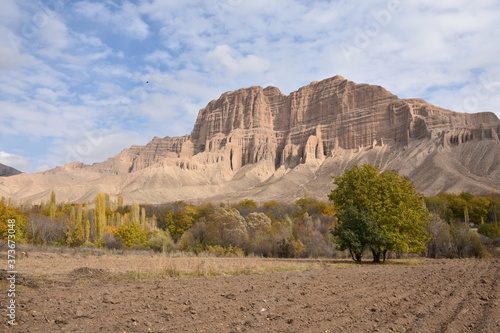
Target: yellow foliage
column 10, row 213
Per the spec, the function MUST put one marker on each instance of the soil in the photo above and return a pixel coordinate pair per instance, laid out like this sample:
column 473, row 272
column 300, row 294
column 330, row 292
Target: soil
column 434, row 296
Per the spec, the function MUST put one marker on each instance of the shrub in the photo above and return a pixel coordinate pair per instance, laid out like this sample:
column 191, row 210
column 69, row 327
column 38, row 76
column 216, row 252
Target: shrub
column 111, row 241
column 160, row 241
column 442, row 243
column 491, row 230
column 132, row 235
column 226, row 227
column 220, row 251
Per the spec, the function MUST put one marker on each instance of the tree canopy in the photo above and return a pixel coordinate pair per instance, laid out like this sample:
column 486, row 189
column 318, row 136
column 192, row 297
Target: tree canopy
column 381, row 211
column 10, row 213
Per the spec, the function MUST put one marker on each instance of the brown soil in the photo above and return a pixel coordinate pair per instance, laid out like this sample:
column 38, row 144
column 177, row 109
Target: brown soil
column 433, row 296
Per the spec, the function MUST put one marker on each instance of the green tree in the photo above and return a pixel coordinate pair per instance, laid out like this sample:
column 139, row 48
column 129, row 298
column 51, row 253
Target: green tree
column 179, row 221
column 356, row 230
column 491, row 230
column 479, row 209
column 440, row 205
column 390, row 201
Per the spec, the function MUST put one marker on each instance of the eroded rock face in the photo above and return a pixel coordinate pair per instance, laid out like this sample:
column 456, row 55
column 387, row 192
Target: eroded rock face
column 140, row 157
column 253, row 124
column 259, row 143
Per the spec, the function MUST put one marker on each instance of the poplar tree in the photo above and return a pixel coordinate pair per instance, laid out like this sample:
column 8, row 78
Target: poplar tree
column 52, row 205
column 100, row 215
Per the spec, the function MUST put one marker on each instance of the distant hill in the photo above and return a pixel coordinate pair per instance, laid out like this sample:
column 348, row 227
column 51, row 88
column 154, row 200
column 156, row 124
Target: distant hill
column 261, row 144
column 7, row 171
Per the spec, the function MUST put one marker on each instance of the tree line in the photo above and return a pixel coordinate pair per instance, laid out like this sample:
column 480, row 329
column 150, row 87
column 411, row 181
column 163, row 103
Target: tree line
column 272, row 229
column 369, row 210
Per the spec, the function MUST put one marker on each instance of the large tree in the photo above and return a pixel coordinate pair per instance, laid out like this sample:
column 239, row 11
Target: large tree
column 381, row 211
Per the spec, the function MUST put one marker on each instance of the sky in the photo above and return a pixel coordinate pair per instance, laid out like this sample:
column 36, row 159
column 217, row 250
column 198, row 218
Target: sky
column 83, row 80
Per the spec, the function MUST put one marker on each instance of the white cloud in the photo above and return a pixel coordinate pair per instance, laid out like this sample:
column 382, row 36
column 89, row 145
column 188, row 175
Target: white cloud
column 15, row 161
column 10, row 56
column 158, row 57
column 226, row 58
column 47, row 94
column 123, row 20
column 95, row 145
column 53, row 35
column 10, row 13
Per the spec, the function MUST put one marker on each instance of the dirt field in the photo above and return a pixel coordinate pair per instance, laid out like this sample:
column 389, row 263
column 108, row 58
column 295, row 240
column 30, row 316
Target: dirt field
column 93, row 295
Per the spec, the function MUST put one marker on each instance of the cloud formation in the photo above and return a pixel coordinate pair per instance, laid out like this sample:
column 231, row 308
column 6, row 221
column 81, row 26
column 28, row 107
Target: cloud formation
column 14, row 161
column 131, row 70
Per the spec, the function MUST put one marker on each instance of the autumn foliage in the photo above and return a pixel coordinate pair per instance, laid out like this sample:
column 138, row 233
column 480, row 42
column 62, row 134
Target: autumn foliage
column 369, row 211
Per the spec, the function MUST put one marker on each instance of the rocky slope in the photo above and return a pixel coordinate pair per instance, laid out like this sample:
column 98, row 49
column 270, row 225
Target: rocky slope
column 259, row 143
column 7, row 171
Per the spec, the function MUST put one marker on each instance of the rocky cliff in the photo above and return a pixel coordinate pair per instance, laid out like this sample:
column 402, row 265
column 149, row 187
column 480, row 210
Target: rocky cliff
column 257, row 142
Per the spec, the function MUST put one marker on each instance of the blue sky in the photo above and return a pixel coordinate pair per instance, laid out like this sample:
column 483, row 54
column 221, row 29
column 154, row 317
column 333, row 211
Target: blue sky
column 73, row 73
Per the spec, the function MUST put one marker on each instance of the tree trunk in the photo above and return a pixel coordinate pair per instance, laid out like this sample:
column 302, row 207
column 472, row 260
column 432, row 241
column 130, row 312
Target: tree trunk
column 376, row 256
column 384, row 255
column 358, row 257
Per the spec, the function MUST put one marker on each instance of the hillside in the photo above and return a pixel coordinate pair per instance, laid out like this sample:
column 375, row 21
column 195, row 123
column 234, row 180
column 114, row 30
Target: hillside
column 7, row 171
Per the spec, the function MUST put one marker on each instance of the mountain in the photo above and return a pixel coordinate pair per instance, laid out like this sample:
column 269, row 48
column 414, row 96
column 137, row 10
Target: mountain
column 7, row 171
column 259, row 143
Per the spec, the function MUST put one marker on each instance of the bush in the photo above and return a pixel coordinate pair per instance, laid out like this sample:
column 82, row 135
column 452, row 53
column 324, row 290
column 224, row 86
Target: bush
column 220, row 251
column 491, row 230
column 476, row 247
column 290, row 248
column 226, row 227
column 160, row 241
column 111, row 241
column 132, row 235
column 454, row 241
column 441, row 243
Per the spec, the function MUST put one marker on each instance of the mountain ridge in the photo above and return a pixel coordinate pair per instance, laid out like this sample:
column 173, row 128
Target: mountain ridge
column 7, row 171
column 253, row 141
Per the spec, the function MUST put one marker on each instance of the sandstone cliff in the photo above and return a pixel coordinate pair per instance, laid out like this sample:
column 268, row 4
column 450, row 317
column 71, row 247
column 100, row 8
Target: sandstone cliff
column 259, row 143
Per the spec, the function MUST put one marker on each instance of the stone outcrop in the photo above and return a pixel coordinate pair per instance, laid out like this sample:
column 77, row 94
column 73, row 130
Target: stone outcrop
column 140, row 157
column 257, row 142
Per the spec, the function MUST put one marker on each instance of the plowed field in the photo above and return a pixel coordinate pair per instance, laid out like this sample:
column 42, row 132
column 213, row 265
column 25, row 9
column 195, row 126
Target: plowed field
column 429, row 296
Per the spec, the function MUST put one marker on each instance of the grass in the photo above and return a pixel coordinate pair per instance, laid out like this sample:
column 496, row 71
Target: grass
column 82, row 267
column 404, row 262
column 131, row 267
